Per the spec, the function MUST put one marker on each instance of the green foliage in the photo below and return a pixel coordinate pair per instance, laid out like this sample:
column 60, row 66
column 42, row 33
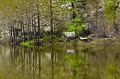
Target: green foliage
column 77, row 26
column 27, row 43
column 110, row 10
column 14, row 8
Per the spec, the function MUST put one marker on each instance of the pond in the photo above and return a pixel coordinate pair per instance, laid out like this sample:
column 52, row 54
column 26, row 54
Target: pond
column 60, row 62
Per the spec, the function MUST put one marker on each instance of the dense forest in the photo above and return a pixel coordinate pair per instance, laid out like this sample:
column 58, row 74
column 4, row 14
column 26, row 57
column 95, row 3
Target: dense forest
column 59, row 39
column 26, row 20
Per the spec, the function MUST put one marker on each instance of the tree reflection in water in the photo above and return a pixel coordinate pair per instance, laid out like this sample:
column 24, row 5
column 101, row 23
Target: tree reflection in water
column 54, row 62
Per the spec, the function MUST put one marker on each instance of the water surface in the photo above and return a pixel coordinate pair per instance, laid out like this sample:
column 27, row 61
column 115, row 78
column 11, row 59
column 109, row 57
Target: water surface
column 60, row 62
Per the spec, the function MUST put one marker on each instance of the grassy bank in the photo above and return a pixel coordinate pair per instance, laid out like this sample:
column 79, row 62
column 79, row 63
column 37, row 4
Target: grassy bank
column 60, row 42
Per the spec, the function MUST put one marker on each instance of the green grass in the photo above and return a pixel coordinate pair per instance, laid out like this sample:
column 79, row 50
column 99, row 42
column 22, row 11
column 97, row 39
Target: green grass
column 31, row 42
column 57, row 41
column 28, row 43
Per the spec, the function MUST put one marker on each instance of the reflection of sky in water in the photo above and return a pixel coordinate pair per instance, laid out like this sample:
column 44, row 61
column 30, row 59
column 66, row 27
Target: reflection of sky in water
column 70, row 51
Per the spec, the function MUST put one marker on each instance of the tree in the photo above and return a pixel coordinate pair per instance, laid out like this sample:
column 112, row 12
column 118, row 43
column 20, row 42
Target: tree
column 76, row 9
column 110, row 12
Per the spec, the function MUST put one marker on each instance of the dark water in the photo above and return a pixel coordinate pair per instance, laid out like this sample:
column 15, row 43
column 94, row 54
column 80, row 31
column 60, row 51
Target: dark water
column 60, row 62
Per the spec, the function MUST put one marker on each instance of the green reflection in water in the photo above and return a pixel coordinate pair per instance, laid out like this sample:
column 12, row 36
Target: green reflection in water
column 84, row 62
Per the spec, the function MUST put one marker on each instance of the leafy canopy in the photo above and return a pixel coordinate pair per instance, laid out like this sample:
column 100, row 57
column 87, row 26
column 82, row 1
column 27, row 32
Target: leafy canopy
column 77, row 26
column 110, row 11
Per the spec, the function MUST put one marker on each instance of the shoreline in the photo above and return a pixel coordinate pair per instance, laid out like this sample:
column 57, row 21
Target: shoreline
column 93, row 42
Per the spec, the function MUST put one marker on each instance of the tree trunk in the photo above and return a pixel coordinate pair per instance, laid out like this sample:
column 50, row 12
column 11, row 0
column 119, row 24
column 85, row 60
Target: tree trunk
column 38, row 34
column 51, row 23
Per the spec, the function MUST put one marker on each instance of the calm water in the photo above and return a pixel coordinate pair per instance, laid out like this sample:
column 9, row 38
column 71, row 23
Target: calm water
column 83, row 62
